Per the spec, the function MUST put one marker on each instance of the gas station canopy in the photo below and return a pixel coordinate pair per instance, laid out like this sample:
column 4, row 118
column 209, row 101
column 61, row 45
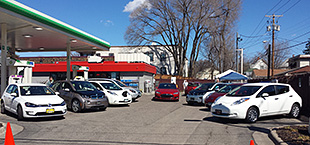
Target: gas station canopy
column 29, row 30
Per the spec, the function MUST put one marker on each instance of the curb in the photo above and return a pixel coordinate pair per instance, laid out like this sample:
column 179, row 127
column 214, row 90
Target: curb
column 274, row 136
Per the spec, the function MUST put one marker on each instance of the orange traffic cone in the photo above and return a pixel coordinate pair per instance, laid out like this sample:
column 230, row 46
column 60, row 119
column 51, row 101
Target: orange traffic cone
column 252, row 142
column 9, row 140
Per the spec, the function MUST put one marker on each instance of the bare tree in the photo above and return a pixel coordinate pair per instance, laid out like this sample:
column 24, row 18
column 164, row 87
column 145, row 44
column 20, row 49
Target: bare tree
column 181, row 26
column 220, row 47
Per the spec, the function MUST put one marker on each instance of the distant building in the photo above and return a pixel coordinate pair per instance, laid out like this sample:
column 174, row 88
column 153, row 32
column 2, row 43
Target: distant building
column 299, row 61
column 152, row 54
column 207, row 74
column 259, row 64
column 262, row 73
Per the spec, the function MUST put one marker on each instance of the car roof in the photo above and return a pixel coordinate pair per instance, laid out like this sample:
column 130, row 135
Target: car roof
column 264, row 84
column 28, row 84
column 102, row 81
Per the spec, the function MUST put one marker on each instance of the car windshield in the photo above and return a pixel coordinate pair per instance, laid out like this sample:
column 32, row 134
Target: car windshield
column 193, row 84
column 227, row 88
column 243, row 91
column 205, row 86
column 121, row 83
column 167, row 86
column 35, row 90
column 83, row 86
column 110, row 86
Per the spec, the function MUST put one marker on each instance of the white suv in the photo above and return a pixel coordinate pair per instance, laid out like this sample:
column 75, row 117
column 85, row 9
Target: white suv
column 255, row 100
column 115, row 94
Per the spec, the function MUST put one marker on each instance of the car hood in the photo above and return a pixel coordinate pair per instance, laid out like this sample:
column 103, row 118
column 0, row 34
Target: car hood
column 198, row 91
column 229, row 100
column 167, row 90
column 43, row 99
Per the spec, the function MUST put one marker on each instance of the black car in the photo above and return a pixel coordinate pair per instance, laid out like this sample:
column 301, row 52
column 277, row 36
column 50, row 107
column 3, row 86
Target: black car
column 80, row 95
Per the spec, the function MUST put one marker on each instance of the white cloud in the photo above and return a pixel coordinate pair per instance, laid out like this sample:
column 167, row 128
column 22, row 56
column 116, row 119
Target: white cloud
column 107, row 22
column 131, row 6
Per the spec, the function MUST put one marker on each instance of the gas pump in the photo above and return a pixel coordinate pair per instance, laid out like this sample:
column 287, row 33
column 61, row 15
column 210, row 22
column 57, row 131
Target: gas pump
column 20, row 70
column 75, row 68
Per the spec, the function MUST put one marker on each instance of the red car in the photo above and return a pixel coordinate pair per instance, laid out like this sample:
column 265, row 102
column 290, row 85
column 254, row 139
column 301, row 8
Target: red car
column 212, row 97
column 167, row 91
column 191, row 86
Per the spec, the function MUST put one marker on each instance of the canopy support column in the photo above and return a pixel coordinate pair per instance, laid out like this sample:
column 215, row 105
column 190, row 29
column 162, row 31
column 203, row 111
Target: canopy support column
column 4, row 52
column 68, row 59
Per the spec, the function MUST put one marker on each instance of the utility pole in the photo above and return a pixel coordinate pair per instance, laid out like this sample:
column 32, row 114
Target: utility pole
column 238, row 39
column 268, row 73
column 277, row 28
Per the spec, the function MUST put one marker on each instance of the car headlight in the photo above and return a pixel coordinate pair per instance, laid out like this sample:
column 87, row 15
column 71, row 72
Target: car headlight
column 176, row 93
column 28, row 104
column 133, row 91
column 217, row 99
column 85, row 96
column 63, row 103
column 157, row 92
column 112, row 93
column 240, row 101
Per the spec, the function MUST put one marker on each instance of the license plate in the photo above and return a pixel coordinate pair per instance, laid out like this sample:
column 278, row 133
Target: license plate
column 98, row 103
column 125, row 100
column 218, row 111
column 50, row 110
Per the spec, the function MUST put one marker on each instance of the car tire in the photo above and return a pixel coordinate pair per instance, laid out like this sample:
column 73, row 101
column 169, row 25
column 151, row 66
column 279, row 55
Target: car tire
column 3, row 111
column 295, row 110
column 252, row 115
column 20, row 115
column 75, row 106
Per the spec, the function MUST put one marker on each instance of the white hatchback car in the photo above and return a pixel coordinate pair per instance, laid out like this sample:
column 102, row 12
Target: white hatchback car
column 255, row 100
column 32, row 100
column 114, row 93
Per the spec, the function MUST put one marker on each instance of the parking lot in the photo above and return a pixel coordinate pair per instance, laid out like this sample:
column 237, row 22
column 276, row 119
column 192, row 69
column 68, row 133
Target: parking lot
column 143, row 122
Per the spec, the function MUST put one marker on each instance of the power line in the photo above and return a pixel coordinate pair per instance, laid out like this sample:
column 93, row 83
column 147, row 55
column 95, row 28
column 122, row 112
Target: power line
column 252, row 36
column 293, row 46
column 281, row 6
column 291, row 7
column 263, row 19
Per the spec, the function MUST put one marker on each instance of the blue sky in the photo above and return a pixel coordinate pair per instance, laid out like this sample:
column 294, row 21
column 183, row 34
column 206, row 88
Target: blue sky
column 109, row 19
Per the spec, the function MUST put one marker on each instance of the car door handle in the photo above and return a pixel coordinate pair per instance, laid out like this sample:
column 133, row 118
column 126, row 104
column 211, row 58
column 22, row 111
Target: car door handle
column 276, row 98
column 291, row 96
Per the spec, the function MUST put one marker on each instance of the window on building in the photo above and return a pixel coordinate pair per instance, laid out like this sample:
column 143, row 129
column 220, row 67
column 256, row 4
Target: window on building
column 111, row 54
column 163, row 56
column 163, row 70
column 151, row 55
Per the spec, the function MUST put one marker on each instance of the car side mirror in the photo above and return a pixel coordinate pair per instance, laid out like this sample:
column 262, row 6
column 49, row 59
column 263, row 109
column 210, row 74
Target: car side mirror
column 14, row 95
column 67, row 89
column 265, row 95
column 57, row 93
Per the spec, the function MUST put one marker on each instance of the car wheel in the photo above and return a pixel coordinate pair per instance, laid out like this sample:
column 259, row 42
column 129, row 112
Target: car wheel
column 252, row 115
column 103, row 108
column 20, row 115
column 295, row 111
column 75, row 106
column 3, row 111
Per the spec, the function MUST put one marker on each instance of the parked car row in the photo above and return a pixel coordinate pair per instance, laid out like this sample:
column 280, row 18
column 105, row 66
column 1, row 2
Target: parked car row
column 39, row 100
column 247, row 101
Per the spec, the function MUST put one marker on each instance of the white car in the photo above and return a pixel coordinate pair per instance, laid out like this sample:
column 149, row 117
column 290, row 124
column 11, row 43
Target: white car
column 135, row 94
column 32, row 100
column 199, row 94
column 114, row 93
column 255, row 100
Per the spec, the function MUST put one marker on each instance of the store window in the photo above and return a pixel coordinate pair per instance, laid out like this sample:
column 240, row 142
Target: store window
column 151, row 55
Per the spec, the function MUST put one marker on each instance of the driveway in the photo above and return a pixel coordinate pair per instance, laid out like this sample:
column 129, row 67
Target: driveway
column 143, row 122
